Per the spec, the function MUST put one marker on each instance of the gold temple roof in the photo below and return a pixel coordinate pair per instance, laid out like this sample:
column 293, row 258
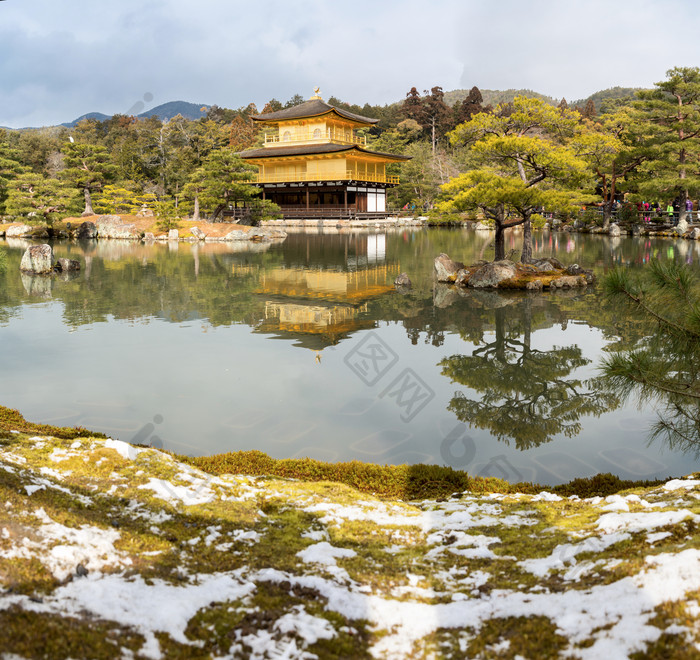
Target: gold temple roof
column 312, row 108
column 311, row 149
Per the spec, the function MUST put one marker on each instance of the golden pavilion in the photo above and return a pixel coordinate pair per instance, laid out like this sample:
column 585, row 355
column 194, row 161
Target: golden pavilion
column 314, row 165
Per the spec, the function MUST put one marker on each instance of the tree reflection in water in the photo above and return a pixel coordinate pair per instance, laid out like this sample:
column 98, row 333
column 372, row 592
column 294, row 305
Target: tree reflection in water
column 664, row 368
column 528, row 395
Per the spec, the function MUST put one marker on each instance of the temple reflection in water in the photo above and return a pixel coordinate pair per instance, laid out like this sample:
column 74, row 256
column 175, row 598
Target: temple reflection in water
column 318, row 305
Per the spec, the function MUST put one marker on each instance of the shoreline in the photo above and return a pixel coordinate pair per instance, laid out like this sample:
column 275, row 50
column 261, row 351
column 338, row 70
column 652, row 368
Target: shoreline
column 385, row 481
column 145, row 229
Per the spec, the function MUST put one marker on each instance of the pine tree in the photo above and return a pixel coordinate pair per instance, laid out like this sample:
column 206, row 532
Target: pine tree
column 437, row 115
column 88, row 167
column 470, row 106
column 527, row 161
column 668, row 123
column 412, row 107
column 589, row 111
column 33, row 197
column 614, row 153
column 220, row 181
column 10, row 169
column 665, row 366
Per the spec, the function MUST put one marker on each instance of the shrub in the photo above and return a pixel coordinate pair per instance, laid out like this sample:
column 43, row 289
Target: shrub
column 264, row 209
column 168, row 216
column 591, row 217
column 121, row 201
column 627, row 213
column 444, row 218
column 538, row 221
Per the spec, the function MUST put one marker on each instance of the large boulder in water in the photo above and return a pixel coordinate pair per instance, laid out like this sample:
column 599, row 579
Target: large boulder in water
column 198, row 233
column 492, row 274
column 37, row 259
column 68, row 265
column 112, row 226
column 403, row 280
column 18, row 231
column 87, row 231
column 446, row 269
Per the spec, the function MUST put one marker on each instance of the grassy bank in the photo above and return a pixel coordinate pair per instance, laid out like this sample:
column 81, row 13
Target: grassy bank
column 405, row 482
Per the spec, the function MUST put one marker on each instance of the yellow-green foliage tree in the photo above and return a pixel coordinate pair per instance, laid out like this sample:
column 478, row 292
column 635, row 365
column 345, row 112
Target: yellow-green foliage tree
column 613, row 151
column 525, row 161
column 506, row 200
column 121, row 201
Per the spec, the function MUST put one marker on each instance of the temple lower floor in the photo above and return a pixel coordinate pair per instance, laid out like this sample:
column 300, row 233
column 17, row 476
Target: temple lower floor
column 332, row 199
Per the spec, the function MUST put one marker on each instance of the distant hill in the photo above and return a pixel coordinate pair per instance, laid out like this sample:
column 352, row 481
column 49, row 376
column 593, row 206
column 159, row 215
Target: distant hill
column 175, row 108
column 606, row 94
column 164, row 112
column 90, row 115
column 494, row 96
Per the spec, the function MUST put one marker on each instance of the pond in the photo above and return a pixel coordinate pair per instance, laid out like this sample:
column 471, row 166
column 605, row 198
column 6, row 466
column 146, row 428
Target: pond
column 304, row 348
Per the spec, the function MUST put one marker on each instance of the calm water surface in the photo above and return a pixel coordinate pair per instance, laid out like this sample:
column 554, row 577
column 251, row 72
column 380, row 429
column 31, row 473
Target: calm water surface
column 304, row 348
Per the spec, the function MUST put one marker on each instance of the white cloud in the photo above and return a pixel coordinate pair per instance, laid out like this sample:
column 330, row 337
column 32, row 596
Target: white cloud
column 60, row 60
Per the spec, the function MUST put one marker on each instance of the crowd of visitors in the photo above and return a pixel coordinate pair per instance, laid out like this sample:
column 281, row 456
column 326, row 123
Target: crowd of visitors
column 654, row 211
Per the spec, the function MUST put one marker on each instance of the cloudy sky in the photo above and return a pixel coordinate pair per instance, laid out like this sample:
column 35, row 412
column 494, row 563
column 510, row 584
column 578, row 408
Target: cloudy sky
column 59, row 60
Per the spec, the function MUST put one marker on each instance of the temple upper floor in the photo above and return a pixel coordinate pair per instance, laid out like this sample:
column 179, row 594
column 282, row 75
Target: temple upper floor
column 313, row 122
column 313, row 132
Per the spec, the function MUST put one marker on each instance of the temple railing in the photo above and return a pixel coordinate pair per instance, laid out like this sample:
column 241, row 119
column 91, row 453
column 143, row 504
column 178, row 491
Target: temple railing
column 315, row 137
column 348, row 175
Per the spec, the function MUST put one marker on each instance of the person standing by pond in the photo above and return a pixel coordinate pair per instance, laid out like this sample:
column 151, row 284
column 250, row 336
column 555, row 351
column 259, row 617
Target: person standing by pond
column 669, row 210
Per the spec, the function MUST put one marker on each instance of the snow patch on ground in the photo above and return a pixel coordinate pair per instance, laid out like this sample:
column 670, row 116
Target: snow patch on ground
column 148, row 608
column 174, row 494
column 62, row 548
column 642, row 522
column 124, row 449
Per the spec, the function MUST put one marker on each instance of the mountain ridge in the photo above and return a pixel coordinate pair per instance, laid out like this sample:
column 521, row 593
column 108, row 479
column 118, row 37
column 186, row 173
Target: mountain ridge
column 170, row 109
column 163, row 111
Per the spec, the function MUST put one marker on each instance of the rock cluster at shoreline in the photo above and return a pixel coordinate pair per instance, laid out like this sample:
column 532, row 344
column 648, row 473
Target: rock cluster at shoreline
column 114, row 227
column 505, row 274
